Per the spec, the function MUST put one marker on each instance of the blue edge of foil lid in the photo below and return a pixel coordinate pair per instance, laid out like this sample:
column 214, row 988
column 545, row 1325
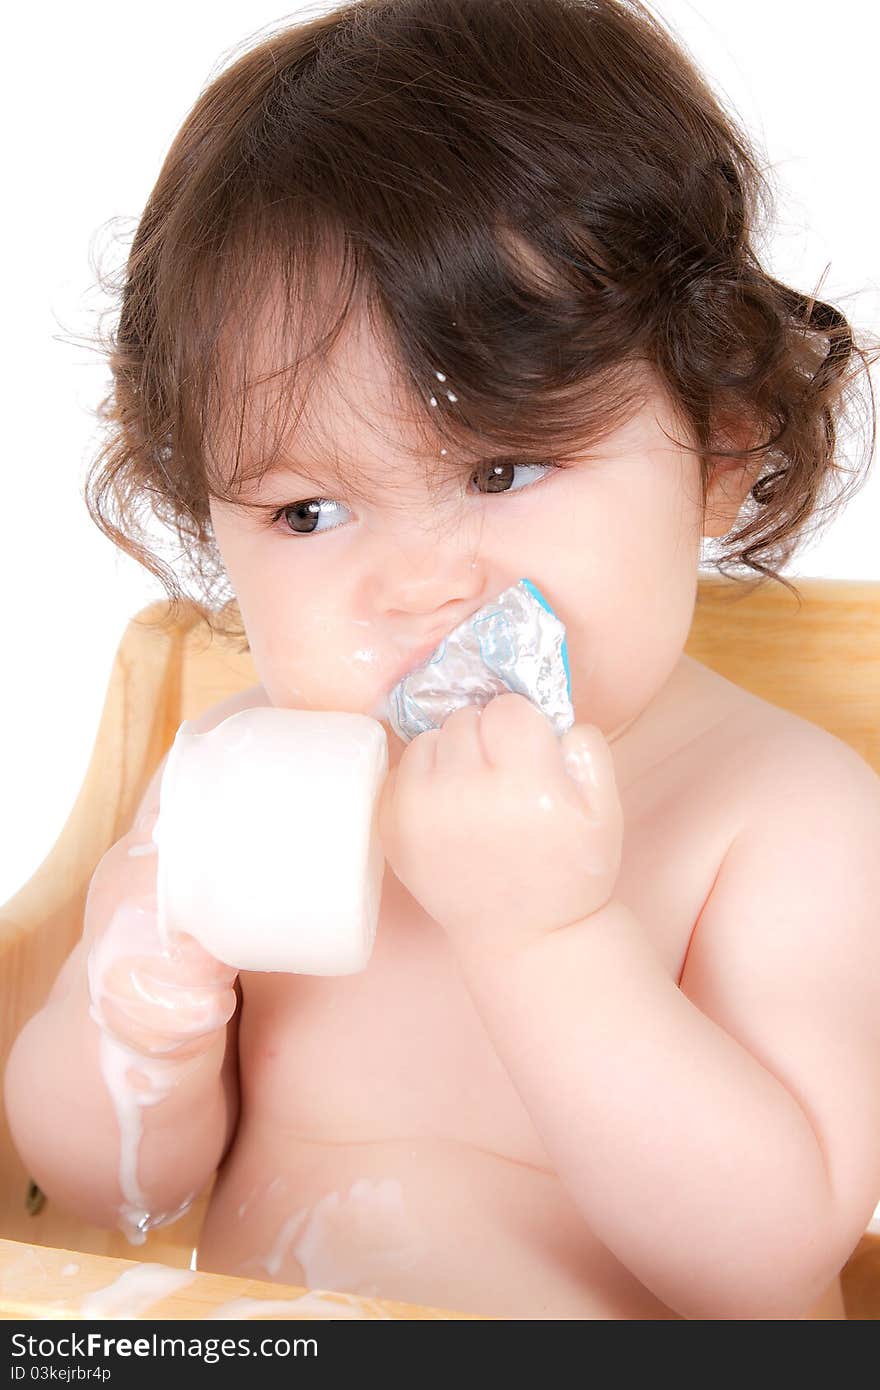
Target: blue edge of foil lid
column 536, row 593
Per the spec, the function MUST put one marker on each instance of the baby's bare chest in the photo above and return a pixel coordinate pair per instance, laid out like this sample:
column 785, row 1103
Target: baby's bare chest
column 400, row 1050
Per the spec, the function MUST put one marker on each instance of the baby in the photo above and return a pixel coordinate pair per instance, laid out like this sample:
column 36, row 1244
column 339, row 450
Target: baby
column 616, row 1053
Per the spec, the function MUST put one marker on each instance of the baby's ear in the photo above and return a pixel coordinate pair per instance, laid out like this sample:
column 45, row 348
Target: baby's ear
column 731, row 479
column 729, row 485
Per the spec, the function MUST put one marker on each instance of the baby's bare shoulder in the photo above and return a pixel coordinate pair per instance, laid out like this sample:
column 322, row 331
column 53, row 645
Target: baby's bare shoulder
column 785, row 955
column 775, row 749
column 800, row 877
column 796, row 900
column 789, row 757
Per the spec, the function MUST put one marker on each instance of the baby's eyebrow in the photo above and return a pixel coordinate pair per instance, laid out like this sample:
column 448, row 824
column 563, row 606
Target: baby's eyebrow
column 464, row 461
column 243, row 494
column 295, row 474
column 299, row 469
column 311, row 474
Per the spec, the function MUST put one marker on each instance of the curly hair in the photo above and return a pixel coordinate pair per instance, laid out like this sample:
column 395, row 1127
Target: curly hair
column 538, row 195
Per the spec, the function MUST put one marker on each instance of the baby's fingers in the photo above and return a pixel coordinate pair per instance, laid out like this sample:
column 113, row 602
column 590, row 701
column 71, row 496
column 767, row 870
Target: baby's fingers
column 459, row 747
column 151, row 1021
column 516, row 733
column 149, row 1043
column 187, row 959
column 148, row 980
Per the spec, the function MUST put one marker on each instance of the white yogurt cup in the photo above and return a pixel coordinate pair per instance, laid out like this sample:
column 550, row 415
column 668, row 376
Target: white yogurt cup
column 269, row 851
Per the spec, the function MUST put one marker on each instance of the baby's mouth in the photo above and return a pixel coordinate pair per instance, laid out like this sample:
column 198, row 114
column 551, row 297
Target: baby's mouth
column 513, row 643
column 417, row 656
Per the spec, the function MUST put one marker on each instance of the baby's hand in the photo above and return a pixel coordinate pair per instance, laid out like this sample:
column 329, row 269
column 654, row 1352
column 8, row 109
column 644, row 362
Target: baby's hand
column 171, row 1005
column 502, row 831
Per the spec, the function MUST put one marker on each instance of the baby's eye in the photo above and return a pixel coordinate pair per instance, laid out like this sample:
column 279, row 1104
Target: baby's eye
column 301, row 518
column 499, row 472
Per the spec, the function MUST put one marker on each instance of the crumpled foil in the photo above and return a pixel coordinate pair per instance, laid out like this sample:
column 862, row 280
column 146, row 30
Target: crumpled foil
column 515, row 643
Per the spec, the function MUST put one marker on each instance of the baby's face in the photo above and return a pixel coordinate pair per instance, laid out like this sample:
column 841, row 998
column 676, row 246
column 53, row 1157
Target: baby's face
column 341, row 599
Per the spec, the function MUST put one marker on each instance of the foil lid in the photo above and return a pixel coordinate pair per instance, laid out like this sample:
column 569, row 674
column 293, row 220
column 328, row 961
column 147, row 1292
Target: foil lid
column 515, row 643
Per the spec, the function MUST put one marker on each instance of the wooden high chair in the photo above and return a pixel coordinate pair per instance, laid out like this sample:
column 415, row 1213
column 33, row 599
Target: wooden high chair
column 822, row 662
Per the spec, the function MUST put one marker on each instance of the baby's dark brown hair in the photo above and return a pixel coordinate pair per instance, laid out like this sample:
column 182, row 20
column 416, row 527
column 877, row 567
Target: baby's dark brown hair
column 541, row 197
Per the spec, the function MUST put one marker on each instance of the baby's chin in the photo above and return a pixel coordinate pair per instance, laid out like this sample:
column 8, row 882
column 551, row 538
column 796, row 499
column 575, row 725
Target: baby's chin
column 396, row 747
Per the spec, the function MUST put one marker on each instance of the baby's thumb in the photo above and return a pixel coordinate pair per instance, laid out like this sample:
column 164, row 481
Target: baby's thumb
column 577, row 754
column 588, row 761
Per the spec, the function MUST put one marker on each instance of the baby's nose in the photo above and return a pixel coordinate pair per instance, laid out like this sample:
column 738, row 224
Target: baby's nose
column 438, row 584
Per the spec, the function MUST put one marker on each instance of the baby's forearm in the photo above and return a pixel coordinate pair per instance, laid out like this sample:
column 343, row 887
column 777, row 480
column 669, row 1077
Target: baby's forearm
column 66, row 1128
column 691, row 1161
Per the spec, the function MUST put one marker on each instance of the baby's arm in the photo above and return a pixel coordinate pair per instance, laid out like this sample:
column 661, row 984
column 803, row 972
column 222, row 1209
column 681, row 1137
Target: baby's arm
column 722, row 1137
column 61, row 1111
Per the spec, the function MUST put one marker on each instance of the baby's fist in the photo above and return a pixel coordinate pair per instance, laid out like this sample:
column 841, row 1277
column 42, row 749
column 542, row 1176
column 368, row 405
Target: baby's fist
column 501, row 830
column 170, row 1003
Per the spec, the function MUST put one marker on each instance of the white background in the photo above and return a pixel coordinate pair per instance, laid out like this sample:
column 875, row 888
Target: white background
column 93, row 96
